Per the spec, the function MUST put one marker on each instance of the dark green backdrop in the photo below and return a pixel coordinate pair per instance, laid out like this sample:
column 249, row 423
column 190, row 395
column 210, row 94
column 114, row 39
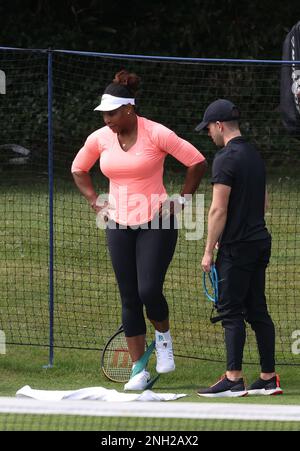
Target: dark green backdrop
column 195, row 28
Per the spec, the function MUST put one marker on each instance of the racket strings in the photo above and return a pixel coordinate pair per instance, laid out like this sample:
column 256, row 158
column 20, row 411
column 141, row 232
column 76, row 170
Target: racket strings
column 117, row 363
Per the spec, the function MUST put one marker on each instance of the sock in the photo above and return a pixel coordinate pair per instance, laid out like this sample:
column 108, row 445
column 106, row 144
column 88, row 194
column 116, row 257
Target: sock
column 134, row 364
column 162, row 336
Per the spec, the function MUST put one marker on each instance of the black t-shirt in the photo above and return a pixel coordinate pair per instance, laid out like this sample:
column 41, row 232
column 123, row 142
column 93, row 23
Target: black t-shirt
column 240, row 166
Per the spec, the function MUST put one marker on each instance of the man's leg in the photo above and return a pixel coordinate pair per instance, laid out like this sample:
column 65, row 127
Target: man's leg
column 234, row 280
column 262, row 324
column 257, row 313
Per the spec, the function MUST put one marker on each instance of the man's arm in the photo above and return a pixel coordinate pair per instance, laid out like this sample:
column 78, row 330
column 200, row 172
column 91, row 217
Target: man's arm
column 217, row 217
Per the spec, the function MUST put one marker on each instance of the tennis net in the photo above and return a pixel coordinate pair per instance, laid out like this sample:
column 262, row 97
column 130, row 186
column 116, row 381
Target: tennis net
column 27, row 414
column 51, row 252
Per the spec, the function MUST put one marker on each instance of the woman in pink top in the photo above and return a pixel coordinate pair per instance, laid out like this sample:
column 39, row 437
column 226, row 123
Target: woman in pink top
column 131, row 150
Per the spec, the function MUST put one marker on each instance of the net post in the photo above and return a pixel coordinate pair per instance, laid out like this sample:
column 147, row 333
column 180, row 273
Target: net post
column 50, row 190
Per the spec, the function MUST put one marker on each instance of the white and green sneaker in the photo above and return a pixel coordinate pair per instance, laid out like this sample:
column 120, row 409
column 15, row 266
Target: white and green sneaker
column 138, row 382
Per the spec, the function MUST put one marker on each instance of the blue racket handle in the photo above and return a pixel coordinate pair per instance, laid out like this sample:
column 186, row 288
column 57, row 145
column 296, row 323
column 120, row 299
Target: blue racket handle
column 215, row 282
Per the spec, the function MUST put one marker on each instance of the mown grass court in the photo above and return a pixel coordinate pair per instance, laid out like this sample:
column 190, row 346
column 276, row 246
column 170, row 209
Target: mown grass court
column 76, row 369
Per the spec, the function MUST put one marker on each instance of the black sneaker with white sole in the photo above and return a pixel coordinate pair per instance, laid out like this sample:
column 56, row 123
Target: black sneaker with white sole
column 270, row 387
column 225, row 388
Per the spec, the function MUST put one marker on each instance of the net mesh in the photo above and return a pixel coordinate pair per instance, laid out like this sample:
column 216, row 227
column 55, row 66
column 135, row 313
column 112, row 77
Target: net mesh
column 86, row 299
column 27, row 415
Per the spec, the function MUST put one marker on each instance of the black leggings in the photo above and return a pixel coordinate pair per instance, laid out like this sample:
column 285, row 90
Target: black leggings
column 140, row 258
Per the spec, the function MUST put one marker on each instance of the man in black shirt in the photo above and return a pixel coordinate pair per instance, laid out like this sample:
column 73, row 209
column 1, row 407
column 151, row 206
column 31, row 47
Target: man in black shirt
column 237, row 227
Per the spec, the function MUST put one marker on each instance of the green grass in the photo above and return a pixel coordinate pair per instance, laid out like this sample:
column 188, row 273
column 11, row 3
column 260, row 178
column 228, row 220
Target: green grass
column 74, row 369
column 148, row 425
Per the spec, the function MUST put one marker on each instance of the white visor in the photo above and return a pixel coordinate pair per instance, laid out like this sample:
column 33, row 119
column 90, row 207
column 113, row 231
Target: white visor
column 109, row 103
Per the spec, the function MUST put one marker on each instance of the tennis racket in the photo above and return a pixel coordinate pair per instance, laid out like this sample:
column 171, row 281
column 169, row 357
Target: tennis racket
column 116, row 363
column 211, row 290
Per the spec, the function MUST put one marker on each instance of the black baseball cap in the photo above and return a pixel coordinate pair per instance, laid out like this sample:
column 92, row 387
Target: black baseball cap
column 221, row 110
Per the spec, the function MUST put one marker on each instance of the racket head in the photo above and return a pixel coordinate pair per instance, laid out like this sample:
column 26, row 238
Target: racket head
column 116, row 363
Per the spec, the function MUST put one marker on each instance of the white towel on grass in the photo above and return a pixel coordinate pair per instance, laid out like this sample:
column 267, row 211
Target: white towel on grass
column 95, row 394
